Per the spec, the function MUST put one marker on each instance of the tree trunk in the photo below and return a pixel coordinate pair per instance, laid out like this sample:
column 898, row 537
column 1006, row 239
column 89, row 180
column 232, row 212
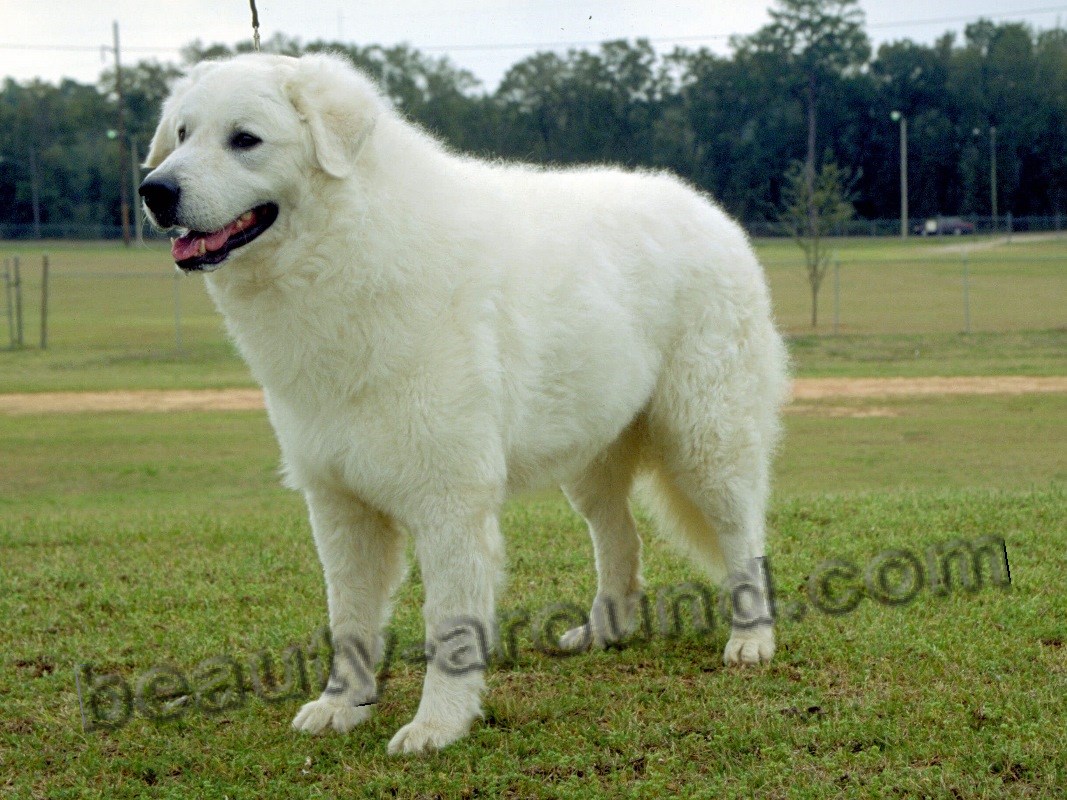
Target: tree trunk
column 35, row 193
column 809, row 163
column 815, row 276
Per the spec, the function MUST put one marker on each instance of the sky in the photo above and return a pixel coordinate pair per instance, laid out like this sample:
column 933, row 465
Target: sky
column 67, row 38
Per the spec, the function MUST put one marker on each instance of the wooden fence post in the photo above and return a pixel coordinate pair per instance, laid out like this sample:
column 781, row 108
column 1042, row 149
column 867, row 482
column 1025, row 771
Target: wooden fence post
column 18, row 304
column 966, row 295
column 837, row 294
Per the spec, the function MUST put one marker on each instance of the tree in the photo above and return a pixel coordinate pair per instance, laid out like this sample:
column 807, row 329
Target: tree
column 827, row 200
column 1051, row 146
column 531, row 95
column 145, row 87
column 730, row 124
column 430, row 90
column 816, row 41
column 587, row 106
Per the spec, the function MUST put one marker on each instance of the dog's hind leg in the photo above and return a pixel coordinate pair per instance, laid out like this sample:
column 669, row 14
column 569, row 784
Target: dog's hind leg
column 601, row 495
column 713, row 428
column 362, row 556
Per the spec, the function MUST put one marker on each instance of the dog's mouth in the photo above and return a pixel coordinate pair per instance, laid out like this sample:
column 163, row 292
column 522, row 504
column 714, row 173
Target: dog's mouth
column 197, row 251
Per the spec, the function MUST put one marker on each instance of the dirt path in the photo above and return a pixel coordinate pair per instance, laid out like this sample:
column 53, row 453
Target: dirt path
column 805, row 390
column 860, row 388
column 138, row 400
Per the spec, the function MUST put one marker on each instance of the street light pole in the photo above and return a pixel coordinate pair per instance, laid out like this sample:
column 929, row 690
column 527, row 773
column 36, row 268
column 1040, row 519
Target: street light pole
column 898, row 116
column 993, row 172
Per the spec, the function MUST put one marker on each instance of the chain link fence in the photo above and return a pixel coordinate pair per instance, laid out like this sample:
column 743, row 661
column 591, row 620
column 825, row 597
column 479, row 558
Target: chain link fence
column 118, row 302
column 1005, row 225
column 101, row 300
column 956, row 290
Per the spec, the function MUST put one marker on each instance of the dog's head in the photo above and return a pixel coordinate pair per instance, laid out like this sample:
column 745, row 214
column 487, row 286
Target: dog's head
column 244, row 142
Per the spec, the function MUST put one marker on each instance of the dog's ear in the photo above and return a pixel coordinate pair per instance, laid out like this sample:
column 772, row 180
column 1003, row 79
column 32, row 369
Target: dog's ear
column 165, row 139
column 340, row 107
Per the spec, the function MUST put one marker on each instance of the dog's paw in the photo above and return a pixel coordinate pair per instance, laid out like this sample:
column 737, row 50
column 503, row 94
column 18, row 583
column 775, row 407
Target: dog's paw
column 319, row 714
column 610, row 622
column 420, row 736
column 578, row 640
column 755, row 646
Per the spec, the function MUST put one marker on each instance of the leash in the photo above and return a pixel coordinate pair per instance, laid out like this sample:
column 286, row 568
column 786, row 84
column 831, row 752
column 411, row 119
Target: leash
column 255, row 25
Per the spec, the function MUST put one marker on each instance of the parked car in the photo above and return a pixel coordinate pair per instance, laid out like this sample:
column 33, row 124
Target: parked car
column 940, row 226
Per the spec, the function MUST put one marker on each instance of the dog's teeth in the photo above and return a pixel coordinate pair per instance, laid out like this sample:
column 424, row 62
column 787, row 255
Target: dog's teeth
column 246, row 217
column 203, row 248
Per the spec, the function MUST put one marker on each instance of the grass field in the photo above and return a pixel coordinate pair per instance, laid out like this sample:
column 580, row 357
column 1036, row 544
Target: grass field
column 129, row 541
column 132, row 540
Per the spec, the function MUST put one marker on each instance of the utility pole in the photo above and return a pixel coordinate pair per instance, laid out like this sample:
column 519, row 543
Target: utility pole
column 123, row 194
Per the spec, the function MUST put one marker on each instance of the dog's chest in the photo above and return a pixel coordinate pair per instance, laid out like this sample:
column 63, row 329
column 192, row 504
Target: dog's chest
column 352, row 447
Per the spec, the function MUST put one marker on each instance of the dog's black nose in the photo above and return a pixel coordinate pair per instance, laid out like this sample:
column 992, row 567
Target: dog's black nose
column 161, row 196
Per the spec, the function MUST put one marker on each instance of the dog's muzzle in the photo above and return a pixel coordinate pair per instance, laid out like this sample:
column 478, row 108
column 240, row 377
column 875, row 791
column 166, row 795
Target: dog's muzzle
column 161, row 196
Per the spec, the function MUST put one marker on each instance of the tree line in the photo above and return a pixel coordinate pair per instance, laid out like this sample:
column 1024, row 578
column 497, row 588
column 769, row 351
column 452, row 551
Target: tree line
column 806, row 88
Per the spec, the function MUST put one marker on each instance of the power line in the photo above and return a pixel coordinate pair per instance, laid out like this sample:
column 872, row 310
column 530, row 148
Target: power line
column 968, row 17
column 719, row 36
column 585, row 43
column 82, row 48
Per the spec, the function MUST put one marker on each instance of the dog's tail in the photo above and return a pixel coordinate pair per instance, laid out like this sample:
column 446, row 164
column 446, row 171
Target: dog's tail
column 679, row 521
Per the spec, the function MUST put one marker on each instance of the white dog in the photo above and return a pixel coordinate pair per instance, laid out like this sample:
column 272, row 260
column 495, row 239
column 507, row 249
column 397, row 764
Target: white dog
column 434, row 333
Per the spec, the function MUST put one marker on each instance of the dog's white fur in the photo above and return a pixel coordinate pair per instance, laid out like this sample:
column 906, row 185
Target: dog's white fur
column 434, row 333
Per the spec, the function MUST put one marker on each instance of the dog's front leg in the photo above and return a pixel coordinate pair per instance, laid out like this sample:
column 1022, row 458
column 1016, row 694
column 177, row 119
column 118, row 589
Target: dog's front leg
column 362, row 558
column 459, row 556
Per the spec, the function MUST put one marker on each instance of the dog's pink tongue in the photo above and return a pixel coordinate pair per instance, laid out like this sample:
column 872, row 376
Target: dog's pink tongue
column 185, row 247
column 188, row 246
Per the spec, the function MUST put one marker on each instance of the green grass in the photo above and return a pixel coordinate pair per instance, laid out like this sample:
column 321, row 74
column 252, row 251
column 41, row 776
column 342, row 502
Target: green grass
column 926, row 354
column 226, row 461
column 112, row 321
column 942, row 442
column 131, row 540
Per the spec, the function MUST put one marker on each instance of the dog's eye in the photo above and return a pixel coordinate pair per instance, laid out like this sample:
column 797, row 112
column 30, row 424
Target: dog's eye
column 181, row 134
column 244, row 141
